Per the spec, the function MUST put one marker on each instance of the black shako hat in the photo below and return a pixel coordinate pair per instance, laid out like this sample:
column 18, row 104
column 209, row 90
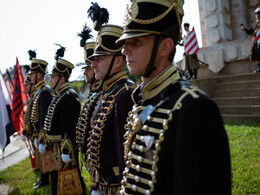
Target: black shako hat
column 36, row 65
column 88, row 51
column 62, row 68
column 105, row 42
column 153, row 17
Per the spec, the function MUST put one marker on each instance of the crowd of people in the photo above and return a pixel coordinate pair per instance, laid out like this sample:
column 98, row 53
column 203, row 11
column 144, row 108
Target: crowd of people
column 163, row 136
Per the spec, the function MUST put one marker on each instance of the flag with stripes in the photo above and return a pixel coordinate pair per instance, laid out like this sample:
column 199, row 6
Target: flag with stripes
column 19, row 99
column 191, row 45
column 258, row 37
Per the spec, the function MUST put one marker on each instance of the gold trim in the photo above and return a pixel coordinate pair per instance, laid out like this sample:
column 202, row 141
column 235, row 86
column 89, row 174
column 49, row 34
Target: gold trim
column 54, row 138
column 164, row 79
column 155, row 19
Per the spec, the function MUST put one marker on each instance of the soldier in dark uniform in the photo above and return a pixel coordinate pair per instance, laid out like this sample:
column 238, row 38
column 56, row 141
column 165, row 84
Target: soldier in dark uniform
column 29, row 89
column 255, row 48
column 83, row 125
column 40, row 103
column 105, row 144
column 176, row 142
column 61, row 119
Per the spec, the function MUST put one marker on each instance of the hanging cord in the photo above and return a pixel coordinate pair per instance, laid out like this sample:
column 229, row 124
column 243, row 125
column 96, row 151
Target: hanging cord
column 108, row 71
column 57, row 82
column 150, row 68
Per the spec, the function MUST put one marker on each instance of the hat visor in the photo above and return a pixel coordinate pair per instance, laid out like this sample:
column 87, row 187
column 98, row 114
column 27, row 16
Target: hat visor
column 86, row 65
column 130, row 35
column 100, row 54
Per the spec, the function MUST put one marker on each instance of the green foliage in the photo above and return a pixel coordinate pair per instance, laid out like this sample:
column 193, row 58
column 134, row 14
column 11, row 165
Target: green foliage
column 78, row 85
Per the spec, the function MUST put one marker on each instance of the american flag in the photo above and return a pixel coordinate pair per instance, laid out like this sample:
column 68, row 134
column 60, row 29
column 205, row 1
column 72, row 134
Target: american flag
column 191, row 44
column 258, row 37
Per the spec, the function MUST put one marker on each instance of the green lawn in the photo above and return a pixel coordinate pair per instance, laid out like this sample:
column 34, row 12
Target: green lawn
column 245, row 156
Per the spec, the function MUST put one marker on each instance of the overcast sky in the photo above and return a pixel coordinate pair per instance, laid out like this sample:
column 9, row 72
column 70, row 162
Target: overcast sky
column 38, row 24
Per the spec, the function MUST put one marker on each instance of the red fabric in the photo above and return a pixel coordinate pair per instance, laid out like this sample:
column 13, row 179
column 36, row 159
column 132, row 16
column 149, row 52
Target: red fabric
column 19, row 99
column 191, row 44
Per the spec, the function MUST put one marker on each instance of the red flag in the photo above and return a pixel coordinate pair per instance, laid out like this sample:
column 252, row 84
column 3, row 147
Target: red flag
column 191, row 44
column 19, row 99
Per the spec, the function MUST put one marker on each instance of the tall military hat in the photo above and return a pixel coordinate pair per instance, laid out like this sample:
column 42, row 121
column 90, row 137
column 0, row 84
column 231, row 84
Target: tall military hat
column 88, row 46
column 61, row 67
column 88, row 51
column 105, row 43
column 37, row 65
column 107, row 35
column 153, row 17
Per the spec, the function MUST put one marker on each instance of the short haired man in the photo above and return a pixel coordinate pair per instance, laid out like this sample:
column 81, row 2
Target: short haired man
column 255, row 48
column 83, row 125
column 60, row 123
column 40, row 102
column 176, row 142
column 105, row 144
column 190, row 62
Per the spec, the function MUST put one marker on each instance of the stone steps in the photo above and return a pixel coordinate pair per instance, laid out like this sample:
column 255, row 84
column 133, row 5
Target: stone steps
column 237, row 96
column 224, row 101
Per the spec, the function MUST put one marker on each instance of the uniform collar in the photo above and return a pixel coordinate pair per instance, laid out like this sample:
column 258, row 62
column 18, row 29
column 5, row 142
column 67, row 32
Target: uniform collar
column 163, row 80
column 62, row 88
column 39, row 85
column 95, row 86
column 113, row 80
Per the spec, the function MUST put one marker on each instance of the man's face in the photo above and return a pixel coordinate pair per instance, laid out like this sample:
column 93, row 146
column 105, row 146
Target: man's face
column 33, row 77
column 53, row 80
column 186, row 28
column 27, row 88
column 138, row 53
column 89, row 73
column 100, row 65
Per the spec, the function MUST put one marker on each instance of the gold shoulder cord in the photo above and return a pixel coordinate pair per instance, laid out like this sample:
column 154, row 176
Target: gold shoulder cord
column 129, row 135
column 27, row 127
column 35, row 111
column 51, row 110
column 83, row 120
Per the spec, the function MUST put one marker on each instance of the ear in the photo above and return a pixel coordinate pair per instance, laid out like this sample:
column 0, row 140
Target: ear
column 118, row 61
column 166, row 46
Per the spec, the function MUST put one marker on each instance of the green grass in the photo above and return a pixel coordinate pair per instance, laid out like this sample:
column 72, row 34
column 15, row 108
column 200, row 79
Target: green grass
column 244, row 142
column 244, row 139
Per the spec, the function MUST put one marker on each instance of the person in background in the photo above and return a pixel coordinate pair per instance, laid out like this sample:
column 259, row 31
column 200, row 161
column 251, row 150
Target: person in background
column 255, row 47
column 40, row 102
column 191, row 62
column 105, row 143
column 176, row 143
column 60, row 122
column 83, row 126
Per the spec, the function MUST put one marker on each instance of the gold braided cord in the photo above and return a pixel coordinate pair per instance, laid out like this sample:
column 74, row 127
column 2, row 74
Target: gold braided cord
column 107, row 49
column 157, row 18
column 38, row 65
column 66, row 69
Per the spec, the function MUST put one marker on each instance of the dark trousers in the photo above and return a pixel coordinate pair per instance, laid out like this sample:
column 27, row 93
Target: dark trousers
column 45, row 177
